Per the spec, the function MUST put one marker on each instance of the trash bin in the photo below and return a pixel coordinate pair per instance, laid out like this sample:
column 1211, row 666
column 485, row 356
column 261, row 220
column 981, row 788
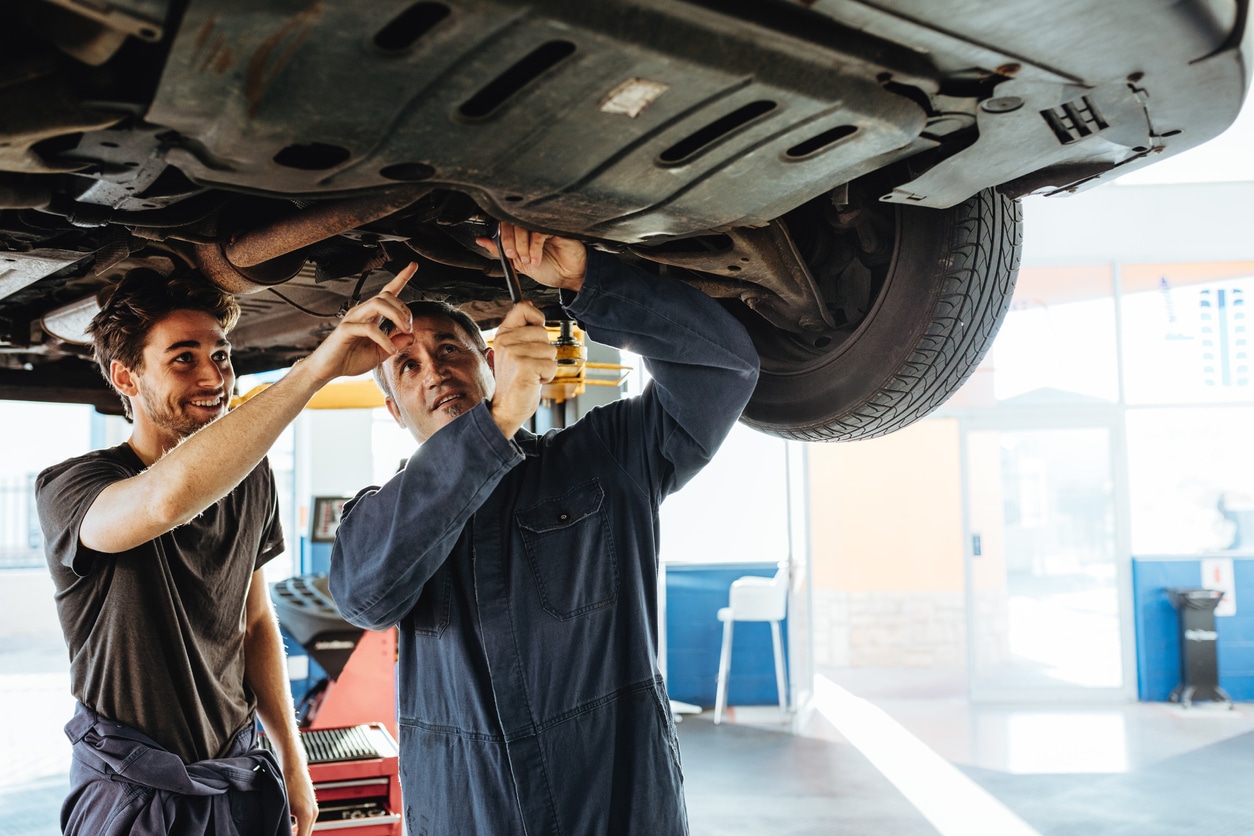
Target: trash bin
column 1199, row 663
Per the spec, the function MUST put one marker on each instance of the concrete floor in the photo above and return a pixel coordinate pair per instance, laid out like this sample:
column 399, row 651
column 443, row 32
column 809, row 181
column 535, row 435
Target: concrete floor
column 885, row 752
column 1019, row 770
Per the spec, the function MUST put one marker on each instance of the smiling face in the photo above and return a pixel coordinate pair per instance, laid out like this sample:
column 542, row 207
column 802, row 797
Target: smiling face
column 438, row 374
column 185, row 378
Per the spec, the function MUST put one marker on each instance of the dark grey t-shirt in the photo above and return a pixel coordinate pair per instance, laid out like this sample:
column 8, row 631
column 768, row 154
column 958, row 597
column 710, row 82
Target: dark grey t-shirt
column 156, row 634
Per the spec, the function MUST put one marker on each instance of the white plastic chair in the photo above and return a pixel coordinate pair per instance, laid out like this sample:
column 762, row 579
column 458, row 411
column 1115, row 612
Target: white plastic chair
column 753, row 599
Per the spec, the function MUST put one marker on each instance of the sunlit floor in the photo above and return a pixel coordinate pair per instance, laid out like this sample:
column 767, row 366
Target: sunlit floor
column 34, row 754
column 882, row 751
column 1003, row 770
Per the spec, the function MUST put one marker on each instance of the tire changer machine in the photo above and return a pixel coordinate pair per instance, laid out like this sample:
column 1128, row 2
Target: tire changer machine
column 347, row 715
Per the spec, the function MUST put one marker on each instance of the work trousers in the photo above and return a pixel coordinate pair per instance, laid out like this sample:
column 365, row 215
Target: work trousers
column 122, row 782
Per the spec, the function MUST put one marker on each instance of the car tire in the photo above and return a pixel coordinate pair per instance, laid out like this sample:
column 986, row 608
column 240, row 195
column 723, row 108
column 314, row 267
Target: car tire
column 940, row 300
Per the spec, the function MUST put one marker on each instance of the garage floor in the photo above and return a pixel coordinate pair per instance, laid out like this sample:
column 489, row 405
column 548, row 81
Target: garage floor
column 1148, row 769
column 884, row 752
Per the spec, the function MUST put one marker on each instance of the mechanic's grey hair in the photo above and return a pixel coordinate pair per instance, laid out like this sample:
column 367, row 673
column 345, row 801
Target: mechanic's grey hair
column 438, row 309
column 130, row 308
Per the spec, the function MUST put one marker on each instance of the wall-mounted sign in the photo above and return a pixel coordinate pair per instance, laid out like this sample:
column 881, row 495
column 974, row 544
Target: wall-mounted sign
column 327, row 511
column 1217, row 574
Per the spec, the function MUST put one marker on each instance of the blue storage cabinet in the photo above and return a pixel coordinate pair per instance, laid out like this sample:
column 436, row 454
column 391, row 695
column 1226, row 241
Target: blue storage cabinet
column 1158, row 631
column 694, row 637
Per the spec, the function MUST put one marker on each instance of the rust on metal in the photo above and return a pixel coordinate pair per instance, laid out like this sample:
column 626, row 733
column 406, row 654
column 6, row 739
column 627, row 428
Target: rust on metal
column 215, row 267
column 212, row 50
column 271, row 254
column 275, row 52
column 315, row 224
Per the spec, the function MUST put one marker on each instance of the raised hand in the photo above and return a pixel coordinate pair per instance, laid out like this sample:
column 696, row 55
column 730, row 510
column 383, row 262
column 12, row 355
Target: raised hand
column 523, row 361
column 358, row 344
column 551, row 260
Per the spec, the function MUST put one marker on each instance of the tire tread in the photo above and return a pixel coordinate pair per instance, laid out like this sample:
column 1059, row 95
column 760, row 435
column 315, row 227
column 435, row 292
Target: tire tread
column 975, row 292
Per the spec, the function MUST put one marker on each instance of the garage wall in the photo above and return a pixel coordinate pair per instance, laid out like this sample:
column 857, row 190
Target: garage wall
column 886, row 514
column 1158, row 628
column 886, row 527
column 26, row 604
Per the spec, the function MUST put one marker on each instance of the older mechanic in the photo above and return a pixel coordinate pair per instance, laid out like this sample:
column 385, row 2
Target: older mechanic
column 523, row 570
column 156, row 548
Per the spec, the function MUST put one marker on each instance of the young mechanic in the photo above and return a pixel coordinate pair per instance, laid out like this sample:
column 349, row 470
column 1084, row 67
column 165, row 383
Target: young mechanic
column 522, row 570
column 156, row 548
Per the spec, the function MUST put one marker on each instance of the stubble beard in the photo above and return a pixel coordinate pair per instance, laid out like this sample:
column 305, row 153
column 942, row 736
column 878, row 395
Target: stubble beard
column 171, row 418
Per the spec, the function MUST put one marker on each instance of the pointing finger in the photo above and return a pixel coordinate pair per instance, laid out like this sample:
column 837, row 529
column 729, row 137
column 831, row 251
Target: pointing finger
column 401, row 279
column 383, row 307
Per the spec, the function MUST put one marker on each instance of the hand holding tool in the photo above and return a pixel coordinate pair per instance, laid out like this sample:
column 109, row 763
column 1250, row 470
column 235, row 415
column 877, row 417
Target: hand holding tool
column 511, row 277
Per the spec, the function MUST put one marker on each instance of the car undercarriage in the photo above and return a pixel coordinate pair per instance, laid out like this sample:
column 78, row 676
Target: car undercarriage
column 843, row 175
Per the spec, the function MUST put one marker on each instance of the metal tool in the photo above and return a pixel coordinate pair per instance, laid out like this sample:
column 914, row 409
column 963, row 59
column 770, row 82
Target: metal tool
column 511, row 278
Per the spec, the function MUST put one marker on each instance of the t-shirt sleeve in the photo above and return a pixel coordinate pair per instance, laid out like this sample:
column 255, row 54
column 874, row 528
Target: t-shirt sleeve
column 63, row 495
column 272, row 544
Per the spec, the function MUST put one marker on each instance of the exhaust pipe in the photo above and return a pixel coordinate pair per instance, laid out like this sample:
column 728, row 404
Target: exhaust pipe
column 272, row 254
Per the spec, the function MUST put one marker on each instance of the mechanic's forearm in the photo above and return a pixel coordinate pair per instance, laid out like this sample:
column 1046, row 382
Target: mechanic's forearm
column 701, row 359
column 211, row 462
column 265, row 671
column 662, row 319
column 392, row 540
column 198, row 472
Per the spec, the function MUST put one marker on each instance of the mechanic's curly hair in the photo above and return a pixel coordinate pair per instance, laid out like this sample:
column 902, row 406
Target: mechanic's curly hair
column 143, row 297
column 429, row 307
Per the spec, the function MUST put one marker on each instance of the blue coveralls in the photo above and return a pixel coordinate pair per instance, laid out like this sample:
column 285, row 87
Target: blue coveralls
column 122, row 783
column 523, row 575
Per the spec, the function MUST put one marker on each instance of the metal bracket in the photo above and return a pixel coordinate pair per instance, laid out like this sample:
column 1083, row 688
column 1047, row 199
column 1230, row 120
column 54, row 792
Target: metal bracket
column 143, row 19
column 766, row 273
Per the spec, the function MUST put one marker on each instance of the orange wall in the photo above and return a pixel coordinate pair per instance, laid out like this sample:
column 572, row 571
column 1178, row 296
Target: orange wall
column 886, row 514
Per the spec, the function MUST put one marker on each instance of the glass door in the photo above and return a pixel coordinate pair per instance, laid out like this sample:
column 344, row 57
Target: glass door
column 1046, row 576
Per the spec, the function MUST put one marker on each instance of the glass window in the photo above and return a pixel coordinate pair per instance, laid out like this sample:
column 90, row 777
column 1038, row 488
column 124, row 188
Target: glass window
column 38, row 435
column 1057, row 344
column 1186, row 339
column 1191, row 473
column 1044, row 595
column 735, row 510
column 282, row 457
column 390, row 444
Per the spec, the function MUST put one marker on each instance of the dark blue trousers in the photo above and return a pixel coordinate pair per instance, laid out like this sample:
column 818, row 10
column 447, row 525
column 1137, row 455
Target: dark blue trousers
column 122, row 782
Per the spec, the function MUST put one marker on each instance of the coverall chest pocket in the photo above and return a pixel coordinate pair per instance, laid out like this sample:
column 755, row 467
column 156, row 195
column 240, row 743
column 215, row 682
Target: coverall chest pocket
column 430, row 615
column 571, row 551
